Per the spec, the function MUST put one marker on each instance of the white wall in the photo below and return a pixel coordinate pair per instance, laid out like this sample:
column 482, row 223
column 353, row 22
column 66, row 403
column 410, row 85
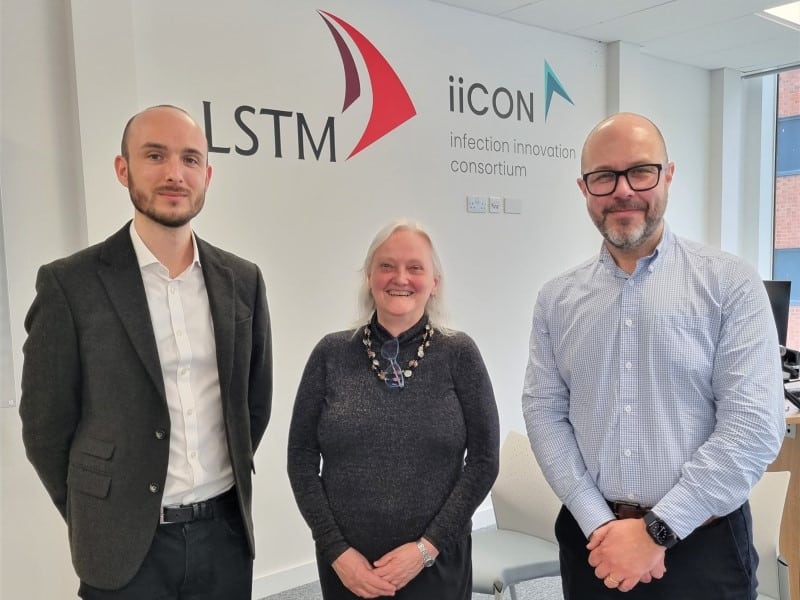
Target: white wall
column 43, row 219
column 308, row 236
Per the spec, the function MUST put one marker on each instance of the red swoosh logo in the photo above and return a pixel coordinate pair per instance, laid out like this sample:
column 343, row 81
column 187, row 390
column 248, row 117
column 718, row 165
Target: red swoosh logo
column 391, row 104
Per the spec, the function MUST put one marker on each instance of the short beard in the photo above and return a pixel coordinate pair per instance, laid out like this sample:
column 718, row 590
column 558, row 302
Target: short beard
column 631, row 239
column 140, row 203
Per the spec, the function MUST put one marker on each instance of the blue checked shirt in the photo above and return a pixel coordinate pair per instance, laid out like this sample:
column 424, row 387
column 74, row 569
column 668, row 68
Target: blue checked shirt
column 661, row 388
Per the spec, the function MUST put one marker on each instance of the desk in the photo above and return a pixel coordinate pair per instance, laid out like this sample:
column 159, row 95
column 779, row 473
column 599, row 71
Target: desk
column 789, row 460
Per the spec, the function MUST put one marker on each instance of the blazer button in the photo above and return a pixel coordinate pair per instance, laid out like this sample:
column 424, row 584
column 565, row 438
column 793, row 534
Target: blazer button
column 154, row 487
column 160, row 434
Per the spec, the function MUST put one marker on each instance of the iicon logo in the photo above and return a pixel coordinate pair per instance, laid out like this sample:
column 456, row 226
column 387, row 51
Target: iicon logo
column 391, row 104
column 501, row 101
column 552, row 85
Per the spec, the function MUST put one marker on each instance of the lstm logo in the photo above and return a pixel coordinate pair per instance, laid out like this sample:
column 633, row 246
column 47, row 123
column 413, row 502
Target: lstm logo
column 391, row 104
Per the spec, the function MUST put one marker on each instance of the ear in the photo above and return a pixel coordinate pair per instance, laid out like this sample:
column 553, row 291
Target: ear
column 582, row 186
column 669, row 172
column 121, row 169
column 209, row 171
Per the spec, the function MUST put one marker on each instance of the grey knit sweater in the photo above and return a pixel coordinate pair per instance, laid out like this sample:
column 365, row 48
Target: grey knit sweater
column 372, row 467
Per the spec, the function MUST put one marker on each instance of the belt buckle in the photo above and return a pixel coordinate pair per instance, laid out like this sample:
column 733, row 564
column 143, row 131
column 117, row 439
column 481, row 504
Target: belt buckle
column 162, row 520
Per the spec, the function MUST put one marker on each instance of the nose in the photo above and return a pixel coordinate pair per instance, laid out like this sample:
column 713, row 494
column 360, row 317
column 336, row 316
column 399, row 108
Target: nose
column 401, row 275
column 623, row 187
column 174, row 169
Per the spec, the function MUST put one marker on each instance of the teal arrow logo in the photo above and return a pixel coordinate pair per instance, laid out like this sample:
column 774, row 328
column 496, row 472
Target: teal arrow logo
column 552, row 85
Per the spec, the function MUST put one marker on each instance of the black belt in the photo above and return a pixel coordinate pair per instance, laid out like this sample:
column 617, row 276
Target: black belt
column 199, row 511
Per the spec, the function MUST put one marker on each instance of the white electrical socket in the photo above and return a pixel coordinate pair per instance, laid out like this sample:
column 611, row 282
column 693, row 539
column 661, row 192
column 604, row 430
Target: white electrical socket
column 495, row 204
column 476, row 204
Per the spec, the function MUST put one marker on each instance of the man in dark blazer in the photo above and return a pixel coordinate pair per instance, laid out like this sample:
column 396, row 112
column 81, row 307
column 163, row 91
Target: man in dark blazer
column 147, row 384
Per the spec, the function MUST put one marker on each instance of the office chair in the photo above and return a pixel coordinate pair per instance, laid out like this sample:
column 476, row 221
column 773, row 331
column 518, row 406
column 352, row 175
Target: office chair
column 766, row 504
column 523, row 545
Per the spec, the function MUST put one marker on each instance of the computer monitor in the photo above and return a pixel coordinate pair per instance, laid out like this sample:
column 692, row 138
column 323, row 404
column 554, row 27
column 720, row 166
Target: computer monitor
column 779, row 292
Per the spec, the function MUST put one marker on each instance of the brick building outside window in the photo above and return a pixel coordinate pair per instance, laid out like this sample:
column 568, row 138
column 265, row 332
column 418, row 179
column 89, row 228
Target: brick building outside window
column 786, row 257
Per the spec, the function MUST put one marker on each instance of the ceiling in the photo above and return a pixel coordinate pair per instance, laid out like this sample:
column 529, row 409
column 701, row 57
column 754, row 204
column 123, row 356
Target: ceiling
column 711, row 34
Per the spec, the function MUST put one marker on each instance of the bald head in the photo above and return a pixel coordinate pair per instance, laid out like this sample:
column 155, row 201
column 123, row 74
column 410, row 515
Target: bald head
column 160, row 108
column 621, row 128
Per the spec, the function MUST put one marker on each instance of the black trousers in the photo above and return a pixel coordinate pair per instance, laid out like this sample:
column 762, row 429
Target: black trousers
column 450, row 578
column 715, row 562
column 200, row 560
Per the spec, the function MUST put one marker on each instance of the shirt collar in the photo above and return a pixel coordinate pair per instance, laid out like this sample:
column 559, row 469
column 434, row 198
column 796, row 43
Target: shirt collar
column 646, row 262
column 146, row 258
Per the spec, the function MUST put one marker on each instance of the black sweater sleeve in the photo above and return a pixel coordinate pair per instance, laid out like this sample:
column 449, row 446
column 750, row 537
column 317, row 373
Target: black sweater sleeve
column 474, row 390
column 304, row 458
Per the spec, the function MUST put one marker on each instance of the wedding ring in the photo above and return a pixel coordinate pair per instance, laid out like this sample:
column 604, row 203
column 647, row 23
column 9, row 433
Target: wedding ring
column 612, row 580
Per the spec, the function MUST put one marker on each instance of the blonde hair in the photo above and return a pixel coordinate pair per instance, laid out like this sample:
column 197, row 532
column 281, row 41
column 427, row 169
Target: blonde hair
column 435, row 306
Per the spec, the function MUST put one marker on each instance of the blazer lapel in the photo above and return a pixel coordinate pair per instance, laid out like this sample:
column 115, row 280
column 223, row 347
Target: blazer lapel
column 120, row 274
column 219, row 281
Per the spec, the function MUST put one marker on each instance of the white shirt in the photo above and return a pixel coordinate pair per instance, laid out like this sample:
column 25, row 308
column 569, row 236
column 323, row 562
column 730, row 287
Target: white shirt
column 199, row 464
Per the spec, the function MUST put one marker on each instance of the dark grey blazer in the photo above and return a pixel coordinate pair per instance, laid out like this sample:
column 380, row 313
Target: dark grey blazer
column 94, row 415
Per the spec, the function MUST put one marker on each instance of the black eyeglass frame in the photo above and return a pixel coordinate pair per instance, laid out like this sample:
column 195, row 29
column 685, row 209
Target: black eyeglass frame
column 659, row 168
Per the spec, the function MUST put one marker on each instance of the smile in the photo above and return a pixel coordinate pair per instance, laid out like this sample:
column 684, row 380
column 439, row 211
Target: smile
column 399, row 292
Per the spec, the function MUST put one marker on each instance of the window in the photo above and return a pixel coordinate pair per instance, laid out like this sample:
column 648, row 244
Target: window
column 787, row 155
column 786, row 252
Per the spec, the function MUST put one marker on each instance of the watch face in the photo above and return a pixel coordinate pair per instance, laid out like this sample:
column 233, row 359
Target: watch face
column 661, row 533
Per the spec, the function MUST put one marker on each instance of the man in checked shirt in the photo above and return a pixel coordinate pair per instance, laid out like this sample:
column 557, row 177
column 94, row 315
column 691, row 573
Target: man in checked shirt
column 653, row 394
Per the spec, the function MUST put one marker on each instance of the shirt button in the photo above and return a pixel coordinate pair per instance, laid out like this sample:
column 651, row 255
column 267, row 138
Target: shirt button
column 628, row 365
column 154, row 487
column 160, row 434
column 627, row 452
column 184, row 371
column 628, row 322
column 631, row 497
column 627, row 408
column 193, row 455
column 190, row 412
column 179, row 333
column 650, row 268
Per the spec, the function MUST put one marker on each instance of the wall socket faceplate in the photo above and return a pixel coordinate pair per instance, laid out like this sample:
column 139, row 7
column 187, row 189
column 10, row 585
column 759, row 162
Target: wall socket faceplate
column 477, row 204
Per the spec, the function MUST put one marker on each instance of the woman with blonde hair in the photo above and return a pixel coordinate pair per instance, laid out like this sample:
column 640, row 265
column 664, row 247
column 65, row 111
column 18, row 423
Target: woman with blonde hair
column 394, row 439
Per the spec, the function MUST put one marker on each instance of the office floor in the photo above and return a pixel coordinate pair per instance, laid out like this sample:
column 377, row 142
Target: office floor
column 547, row 588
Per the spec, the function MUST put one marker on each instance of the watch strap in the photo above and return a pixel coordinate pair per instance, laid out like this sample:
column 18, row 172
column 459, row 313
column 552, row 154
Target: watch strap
column 427, row 559
column 661, row 533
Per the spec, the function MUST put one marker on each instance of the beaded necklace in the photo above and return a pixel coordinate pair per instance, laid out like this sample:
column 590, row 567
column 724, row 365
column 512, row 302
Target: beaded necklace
column 412, row 364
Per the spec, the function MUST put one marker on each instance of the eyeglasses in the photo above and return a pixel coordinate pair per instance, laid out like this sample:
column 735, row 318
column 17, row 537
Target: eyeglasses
column 394, row 374
column 640, row 179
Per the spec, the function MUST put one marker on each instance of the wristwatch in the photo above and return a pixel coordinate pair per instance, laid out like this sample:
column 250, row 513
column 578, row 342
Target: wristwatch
column 427, row 559
column 659, row 531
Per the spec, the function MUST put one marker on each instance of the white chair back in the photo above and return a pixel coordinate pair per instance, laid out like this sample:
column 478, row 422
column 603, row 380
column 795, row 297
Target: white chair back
column 522, row 499
column 766, row 504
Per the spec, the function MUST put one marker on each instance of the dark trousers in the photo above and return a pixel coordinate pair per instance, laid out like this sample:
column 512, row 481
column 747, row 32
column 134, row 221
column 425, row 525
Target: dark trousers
column 716, row 561
column 201, row 560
